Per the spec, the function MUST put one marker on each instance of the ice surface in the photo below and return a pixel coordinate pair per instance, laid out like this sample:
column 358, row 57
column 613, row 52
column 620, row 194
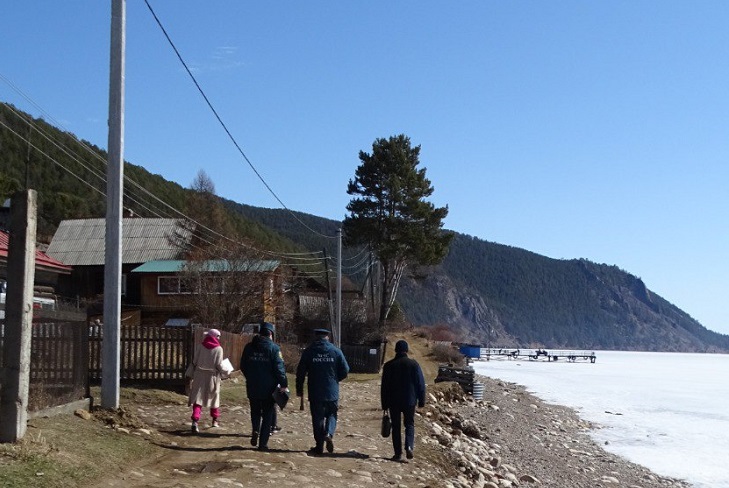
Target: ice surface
column 666, row 411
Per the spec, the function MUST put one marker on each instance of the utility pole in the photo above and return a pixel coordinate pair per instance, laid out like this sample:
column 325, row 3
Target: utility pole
column 19, row 315
column 329, row 291
column 114, row 191
column 339, row 287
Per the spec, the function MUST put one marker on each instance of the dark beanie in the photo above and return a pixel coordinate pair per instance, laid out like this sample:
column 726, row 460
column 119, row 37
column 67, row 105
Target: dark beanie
column 401, row 346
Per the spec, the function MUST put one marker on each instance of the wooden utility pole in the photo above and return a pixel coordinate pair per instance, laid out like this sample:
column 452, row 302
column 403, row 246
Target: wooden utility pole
column 18, row 317
column 114, row 191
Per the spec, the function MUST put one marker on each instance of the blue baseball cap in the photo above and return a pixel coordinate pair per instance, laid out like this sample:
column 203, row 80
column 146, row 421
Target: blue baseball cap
column 266, row 326
column 321, row 332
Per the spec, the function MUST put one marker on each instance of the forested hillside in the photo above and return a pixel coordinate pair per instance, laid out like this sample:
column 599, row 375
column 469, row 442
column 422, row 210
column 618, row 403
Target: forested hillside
column 506, row 296
column 70, row 178
column 486, row 292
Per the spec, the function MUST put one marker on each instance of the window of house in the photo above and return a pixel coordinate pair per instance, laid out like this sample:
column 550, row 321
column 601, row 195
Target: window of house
column 173, row 285
column 168, row 285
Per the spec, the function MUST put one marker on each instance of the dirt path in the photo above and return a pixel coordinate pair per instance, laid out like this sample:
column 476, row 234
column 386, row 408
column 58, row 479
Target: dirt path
column 223, row 457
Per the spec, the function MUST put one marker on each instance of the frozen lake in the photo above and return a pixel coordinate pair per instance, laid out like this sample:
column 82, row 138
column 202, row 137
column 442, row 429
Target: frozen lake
column 666, row 411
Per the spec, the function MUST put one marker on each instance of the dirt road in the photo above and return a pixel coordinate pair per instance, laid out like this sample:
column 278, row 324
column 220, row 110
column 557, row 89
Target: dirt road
column 223, row 457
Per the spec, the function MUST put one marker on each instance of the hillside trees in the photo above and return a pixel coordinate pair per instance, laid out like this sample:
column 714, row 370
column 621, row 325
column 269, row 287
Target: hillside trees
column 390, row 214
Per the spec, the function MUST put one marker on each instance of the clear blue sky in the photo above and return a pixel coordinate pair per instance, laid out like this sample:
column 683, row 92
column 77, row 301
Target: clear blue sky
column 573, row 129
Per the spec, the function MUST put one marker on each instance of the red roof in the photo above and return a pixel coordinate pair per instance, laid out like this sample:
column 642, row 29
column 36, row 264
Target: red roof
column 41, row 259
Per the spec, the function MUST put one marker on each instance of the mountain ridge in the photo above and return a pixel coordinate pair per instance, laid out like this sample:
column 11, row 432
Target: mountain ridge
column 487, row 293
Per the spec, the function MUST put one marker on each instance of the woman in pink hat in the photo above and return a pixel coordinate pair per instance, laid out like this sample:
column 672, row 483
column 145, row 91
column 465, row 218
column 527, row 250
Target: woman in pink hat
column 206, row 372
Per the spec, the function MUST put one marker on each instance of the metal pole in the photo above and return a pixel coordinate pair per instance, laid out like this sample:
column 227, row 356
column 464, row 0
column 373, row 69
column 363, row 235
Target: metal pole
column 339, row 287
column 114, row 191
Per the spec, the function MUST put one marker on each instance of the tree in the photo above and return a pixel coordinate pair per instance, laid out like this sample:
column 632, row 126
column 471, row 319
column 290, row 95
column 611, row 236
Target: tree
column 390, row 214
column 203, row 205
column 230, row 285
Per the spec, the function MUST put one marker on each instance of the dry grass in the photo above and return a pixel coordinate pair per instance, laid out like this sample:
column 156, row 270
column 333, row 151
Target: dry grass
column 65, row 454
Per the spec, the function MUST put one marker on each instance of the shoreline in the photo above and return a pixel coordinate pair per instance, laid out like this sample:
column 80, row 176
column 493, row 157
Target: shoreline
column 512, row 437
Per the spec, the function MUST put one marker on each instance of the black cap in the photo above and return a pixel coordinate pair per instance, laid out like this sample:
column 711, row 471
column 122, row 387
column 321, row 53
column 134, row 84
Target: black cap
column 321, row 332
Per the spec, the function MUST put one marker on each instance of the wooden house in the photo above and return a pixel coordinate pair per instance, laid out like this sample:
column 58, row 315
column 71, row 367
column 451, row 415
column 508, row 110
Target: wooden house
column 47, row 273
column 47, row 269
column 178, row 289
column 81, row 244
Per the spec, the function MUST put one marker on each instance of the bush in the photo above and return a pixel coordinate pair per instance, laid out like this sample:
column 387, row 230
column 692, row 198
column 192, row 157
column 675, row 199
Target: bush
column 438, row 333
column 448, row 354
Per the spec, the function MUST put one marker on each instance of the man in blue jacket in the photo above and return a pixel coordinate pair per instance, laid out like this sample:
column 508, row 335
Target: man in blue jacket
column 403, row 387
column 326, row 367
column 263, row 367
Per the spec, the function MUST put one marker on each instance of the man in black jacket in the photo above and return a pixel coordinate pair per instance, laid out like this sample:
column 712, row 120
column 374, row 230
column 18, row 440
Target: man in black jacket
column 263, row 367
column 403, row 387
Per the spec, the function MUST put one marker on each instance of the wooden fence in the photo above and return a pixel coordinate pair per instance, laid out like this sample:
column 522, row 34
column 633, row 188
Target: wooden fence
column 232, row 344
column 364, row 358
column 157, row 355
column 59, row 352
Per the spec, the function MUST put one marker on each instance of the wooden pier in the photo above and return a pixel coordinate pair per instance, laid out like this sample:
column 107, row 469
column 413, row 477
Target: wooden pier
column 549, row 355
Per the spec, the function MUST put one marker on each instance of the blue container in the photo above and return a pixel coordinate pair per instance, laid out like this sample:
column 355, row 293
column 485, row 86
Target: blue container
column 470, row 350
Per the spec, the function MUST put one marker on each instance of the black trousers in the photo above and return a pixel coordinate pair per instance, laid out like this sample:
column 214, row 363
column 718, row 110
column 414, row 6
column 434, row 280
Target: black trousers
column 261, row 418
column 406, row 415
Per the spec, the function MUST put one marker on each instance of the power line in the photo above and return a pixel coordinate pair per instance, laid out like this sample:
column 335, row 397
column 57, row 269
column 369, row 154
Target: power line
column 128, row 193
column 225, row 128
column 129, row 196
column 75, row 157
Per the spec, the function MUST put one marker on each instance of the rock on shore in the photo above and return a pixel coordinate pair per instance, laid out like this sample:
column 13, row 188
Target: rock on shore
column 512, row 438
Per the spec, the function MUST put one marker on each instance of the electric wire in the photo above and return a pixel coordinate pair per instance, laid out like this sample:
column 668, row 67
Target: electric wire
column 224, row 126
column 130, row 196
column 75, row 157
column 49, row 157
column 362, row 261
column 175, row 211
column 352, row 258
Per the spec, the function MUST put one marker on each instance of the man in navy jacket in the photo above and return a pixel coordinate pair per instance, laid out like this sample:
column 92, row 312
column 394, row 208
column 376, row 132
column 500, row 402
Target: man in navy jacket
column 263, row 367
column 403, row 387
column 326, row 366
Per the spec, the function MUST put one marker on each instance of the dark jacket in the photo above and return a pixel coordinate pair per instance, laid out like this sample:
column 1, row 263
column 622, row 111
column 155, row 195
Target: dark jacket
column 403, row 384
column 263, row 367
column 326, row 367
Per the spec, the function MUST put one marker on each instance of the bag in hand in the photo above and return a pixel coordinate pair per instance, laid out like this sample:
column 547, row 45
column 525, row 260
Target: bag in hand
column 386, row 425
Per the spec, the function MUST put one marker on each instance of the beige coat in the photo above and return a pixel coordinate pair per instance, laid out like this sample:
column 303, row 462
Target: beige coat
column 205, row 388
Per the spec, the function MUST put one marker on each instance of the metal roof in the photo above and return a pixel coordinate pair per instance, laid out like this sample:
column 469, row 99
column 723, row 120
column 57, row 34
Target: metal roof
column 174, row 266
column 82, row 242
column 42, row 260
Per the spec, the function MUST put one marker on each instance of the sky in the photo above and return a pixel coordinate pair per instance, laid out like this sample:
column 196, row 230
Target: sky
column 572, row 129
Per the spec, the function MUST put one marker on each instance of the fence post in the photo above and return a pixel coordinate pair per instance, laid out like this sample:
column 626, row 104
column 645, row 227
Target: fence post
column 19, row 316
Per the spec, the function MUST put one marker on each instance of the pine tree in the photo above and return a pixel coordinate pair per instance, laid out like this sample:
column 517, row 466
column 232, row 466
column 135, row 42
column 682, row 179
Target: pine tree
column 390, row 214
